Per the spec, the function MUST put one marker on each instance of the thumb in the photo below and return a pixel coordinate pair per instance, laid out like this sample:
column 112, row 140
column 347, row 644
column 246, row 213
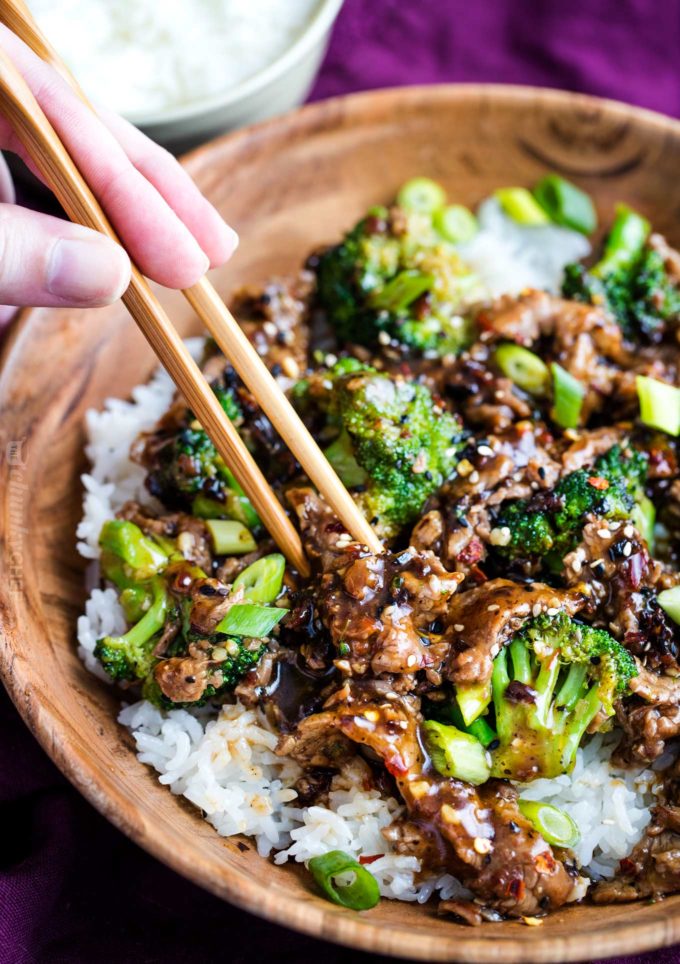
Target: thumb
column 46, row 261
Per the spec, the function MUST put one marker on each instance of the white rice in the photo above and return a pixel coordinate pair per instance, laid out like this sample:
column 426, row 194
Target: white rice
column 510, row 256
column 225, row 764
column 147, row 55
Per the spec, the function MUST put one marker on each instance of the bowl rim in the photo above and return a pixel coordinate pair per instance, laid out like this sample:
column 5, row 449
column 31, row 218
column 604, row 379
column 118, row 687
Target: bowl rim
column 325, row 922
column 319, row 23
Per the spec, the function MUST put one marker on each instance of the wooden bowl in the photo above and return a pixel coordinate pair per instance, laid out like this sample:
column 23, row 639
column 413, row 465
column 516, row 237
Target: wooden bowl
column 287, row 186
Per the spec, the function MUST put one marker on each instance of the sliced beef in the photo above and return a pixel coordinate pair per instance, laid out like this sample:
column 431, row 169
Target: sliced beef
column 649, row 719
column 477, row 834
column 482, row 620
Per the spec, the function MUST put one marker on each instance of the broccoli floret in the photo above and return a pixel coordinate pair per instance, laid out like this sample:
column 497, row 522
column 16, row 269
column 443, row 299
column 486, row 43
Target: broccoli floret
column 130, row 656
column 548, row 686
column 550, row 523
column 631, row 280
column 394, row 277
column 243, row 655
column 190, row 474
column 396, row 445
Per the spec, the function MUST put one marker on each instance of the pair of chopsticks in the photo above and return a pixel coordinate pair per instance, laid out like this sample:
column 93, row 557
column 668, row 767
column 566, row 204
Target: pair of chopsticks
column 63, row 177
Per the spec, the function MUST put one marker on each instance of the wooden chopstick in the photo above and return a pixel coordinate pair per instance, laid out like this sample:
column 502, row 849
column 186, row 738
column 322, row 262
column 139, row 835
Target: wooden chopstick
column 229, row 336
column 60, row 173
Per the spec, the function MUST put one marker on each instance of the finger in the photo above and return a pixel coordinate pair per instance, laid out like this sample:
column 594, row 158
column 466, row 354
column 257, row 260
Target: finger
column 7, row 192
column 157, row 240
column 216, row 238
column 47, row 261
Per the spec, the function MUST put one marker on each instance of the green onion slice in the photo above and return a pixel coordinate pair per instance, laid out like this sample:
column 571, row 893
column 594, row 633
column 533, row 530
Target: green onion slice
column 626, row 239
column 421, row 194
column 669, row 600
column 555, row 825
column 566, row 204
column 456, row 754
column 455, row 223
column 401, row 291
column 644, row 518
column 568, row 395
column 659, row 404
column 524, row 368
column 262, row 580
column 230, row 538
column 520, row 205
column 250, row 620
column 339, row 453
column 357, row 888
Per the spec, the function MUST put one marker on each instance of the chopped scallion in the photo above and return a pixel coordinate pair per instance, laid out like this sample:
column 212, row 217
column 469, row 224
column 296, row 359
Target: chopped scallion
column 524, row 368
column 659, row 404
column 421, row 194
column 455, row 223
column 456, row 754
column 520, row 205
column 669, row 600
column 250, row 620
column 568, row 395
column 626, row 238
column 262, row 580
column 230, row 538
column 566, row 204
column 555, row 825
column 345, row 881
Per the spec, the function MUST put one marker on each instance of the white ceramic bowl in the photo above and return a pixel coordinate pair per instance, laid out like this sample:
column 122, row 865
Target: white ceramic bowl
column 280, row 86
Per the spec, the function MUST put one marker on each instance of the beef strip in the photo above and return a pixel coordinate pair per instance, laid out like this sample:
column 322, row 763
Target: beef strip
column 482, row 620
column 649, row 719
column 379, row 610
column 477, row 834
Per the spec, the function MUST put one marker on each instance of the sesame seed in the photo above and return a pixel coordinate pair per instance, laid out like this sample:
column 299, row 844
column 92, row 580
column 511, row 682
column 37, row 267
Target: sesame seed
column 270, row 329
column 604, row 533
column 465, row 467
column 330, row 360
column 474, row 477
column 412, row 660
column 482, row 845
column 494, row 607
column 449, row 815
column 627, row 549
column 553, row 611
column 537, row 609
column 576, row 566
column 629, row 532
column 484, row 450
column 459, row 627
column 383, row 338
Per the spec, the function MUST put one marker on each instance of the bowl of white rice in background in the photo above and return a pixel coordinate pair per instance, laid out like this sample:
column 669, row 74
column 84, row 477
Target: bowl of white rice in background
column 186, row 71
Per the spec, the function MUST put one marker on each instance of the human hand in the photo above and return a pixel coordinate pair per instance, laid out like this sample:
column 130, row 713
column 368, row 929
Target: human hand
column 171, row 231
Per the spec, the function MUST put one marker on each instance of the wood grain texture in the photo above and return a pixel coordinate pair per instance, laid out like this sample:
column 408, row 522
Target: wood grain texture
column 287, row 186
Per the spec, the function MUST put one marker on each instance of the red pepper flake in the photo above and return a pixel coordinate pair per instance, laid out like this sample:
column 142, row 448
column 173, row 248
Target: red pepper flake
column 369, row 860
column 598, row 482
column 516, row 889
column 628, row 868
column 545, row 863
column 472, row 552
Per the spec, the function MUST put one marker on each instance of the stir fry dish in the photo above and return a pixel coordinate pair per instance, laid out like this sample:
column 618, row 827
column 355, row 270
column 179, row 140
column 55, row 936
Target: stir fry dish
column 515, row 447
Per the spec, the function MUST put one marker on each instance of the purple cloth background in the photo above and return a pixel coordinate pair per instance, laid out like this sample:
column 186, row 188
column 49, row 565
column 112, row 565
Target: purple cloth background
column 73, row 889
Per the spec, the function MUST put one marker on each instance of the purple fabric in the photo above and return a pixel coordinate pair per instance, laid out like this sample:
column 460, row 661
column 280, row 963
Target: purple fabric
column 74, row 890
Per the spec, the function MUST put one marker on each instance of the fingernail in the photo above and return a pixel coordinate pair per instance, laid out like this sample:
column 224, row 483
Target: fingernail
column 92, row 271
